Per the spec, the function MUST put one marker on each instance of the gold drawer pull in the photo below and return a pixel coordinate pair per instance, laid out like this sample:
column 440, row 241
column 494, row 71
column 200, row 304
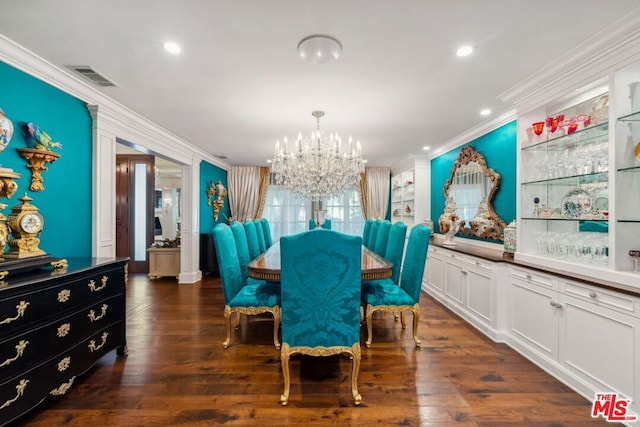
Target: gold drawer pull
column 92, row 344
column 92, row 284
column 64, row 329
column 92, row 314
column 64, row 364
column 20, row 389
column 64, row 295
column 21, row 308
column 63, row 388
column 19, row 350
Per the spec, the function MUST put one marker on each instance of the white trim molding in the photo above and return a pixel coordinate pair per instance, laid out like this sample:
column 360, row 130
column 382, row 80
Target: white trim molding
column 611, row 48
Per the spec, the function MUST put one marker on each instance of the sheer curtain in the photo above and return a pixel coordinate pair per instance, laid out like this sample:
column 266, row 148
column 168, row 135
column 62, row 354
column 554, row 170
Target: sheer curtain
column 375, row 192
column 286, row 213
column 345, row 212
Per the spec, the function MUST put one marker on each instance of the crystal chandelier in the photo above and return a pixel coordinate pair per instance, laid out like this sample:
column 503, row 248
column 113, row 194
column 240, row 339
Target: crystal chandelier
column 318, row 167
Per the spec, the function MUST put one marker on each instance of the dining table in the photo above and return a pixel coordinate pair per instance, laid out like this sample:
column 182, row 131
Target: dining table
column 267, row 265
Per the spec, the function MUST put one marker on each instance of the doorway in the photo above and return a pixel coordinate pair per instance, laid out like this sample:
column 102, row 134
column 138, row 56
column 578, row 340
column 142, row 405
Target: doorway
column 135, row 198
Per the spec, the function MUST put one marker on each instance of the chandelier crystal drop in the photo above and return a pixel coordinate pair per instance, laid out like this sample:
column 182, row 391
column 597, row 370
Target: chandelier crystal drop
column 318, row 167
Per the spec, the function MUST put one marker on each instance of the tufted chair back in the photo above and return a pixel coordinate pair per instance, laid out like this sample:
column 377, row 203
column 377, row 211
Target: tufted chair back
column 395, row 248
column 381, row 239
column 252, row 239
column 267, row 232
column 262, row 244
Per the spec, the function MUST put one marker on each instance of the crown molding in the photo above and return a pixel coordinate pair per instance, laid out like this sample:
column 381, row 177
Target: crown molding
column 122, row 121
column 407, row 162
column 612, row 47
column 476, row 132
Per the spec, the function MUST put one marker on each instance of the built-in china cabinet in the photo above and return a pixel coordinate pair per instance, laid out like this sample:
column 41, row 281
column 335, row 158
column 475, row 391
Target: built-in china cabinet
column 410, row 191
column 579, row 209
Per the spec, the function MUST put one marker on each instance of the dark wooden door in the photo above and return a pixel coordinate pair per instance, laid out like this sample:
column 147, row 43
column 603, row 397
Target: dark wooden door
column 135, row 196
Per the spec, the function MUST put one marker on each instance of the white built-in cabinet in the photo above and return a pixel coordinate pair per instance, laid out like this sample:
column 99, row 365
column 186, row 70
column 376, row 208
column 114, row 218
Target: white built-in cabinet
column 586, row 336
column 411, row 191
column 466, row 285
column 579, row 209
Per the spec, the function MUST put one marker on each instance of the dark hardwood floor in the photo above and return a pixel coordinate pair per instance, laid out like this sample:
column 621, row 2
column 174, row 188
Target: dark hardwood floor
column 177, row 373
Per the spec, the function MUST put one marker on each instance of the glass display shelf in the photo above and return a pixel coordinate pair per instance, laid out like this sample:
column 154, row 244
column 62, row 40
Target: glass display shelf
column 592, row 135
column 633, row 117
column 629, row 220
column 557, row 218
column 408, row 200
column 635, row 168
column 575, row 180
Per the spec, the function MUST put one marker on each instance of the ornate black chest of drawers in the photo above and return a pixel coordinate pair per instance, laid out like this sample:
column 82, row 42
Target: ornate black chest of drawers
column 54, row 325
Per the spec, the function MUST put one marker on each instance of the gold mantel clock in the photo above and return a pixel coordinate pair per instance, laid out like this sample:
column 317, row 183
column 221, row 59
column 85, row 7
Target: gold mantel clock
column 24, row 222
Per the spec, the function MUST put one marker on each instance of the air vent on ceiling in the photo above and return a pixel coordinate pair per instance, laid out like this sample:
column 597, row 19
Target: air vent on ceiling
column 92, row 75
column 220, row 156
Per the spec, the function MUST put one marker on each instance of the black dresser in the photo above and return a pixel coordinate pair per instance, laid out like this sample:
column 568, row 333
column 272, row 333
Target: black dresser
column 55, row 325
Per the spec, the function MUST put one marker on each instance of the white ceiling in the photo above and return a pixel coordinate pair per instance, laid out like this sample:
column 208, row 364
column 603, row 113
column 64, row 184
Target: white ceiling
column 239, row 85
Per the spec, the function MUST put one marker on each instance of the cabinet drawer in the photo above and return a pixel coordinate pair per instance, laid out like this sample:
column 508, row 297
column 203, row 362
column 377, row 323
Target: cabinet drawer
column 534, row 277
column 20, row 310
column 601, row 297
column 55, row 376
column 29, row 348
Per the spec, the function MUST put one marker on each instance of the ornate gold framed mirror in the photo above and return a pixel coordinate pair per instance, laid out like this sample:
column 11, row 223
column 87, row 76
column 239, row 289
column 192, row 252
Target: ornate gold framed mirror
column 469, row 194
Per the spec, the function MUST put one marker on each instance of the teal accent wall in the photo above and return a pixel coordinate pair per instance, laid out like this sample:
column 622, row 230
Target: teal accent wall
column 499, row 150
column 209, row 172
column 66, row 201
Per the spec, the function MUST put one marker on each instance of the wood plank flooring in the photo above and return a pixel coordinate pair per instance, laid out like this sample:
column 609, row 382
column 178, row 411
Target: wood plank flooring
column 177, row 373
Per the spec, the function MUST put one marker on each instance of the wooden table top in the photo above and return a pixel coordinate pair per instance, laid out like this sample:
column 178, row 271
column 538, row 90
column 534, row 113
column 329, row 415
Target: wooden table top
column 267, row 265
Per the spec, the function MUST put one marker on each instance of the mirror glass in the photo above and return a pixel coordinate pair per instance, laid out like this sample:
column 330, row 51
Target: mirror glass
column 469, row 194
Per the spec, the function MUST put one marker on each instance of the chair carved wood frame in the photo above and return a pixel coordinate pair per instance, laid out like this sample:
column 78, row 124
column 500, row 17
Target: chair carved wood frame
column 491, row 226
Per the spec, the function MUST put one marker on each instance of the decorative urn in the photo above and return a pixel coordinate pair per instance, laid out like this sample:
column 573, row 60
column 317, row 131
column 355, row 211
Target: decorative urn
column 510, row 238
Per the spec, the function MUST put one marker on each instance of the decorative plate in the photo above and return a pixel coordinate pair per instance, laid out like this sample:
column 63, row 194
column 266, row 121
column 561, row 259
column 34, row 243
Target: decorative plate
column 575, row 203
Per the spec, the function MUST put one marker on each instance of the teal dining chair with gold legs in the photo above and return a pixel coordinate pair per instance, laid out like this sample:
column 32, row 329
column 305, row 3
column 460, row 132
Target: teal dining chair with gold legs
column 382, row 238
column 252, row 239
column 366, row 230
column 240, row 297
column 262, row 244
column 395, row 248
column 386, row 295
column 373, row 234
column 320, row 282
column 268, row 240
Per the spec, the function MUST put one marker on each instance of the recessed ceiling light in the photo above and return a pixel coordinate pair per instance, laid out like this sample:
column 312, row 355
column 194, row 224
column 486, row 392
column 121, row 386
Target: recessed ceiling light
column 485, row 112
column 172, row 47
column 269, row 160
column 365, row 161
column 426, row 148
column 464, row 50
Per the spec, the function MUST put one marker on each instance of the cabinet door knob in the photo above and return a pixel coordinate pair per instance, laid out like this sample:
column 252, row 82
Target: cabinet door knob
column 558, row 305
column 463, row 272
column 477, row 262
column 528, row 276
column 593, row 294
column 552, row 304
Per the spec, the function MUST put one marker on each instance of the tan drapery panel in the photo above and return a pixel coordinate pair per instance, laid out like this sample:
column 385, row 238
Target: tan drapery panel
column 264, row 185
column 377, row 192
column 362, row 186
column 244, row 191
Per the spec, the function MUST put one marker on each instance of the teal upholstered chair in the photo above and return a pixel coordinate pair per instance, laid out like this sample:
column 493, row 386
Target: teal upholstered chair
column 239, row 297
column 240, row 237
column 395, row 248
column 366, row 231
column 326, row 224
column 386, row 295
column 252, row 239
column 260, row 233
column 373, row 234
column 320, row 278
column 382, row 237
column 268, row 240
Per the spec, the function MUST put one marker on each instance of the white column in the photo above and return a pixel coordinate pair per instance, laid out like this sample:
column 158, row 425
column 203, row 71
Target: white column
column 190, row 223
column 104, row 179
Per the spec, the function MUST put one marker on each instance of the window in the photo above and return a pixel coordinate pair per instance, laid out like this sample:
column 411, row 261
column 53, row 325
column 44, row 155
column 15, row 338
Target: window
column 288, row 214
column 345, row 212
